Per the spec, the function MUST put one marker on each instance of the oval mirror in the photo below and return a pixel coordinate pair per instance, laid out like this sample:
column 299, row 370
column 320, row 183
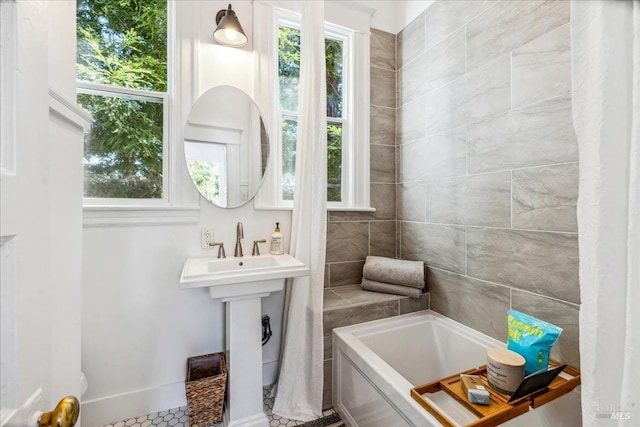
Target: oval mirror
column 226, row 146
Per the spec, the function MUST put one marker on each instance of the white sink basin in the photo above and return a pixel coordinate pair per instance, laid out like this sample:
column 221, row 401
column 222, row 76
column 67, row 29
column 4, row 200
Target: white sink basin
column 238, row 277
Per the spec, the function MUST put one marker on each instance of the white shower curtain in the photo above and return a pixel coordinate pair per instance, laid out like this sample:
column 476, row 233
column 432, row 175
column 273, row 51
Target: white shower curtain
column 605, row 38
column 299, row 394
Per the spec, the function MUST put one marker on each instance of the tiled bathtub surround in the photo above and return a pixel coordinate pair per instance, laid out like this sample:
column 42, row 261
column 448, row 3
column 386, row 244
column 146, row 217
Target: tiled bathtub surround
column 348, row 305
column 351, row 236
column 487, row 162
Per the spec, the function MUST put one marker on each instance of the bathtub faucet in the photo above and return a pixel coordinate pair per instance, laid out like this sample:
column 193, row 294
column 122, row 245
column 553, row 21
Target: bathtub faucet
column 239, row 235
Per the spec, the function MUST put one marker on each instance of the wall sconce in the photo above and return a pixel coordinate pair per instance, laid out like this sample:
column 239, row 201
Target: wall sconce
column 229, row 31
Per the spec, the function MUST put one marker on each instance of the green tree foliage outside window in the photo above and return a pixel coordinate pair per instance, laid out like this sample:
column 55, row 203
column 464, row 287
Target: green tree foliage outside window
column 289, row 76
column 123, row 43
column 206, row 176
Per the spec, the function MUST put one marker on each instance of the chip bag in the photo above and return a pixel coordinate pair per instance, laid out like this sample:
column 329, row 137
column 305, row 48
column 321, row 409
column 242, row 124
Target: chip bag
column 531, row 338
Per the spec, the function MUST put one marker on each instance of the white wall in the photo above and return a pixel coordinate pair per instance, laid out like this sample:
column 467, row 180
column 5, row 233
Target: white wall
column 138, row 327
column 392, row 16
column 62, row 57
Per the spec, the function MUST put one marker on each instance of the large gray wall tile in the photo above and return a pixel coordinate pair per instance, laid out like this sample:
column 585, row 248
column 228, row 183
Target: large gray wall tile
column 350, row 215
column 355, row 314
column 440, row 246
column 382, row 125
column 480, row 305
column 411, row 201
column 411, row 160
column 445, row 200
column 383, row 198
column 326, row 275
column 382, row 241
column 434, row 68
column 410, row 41
column 476, row 96
column 383, row 49
column 347, row 241
column 410, row 80
column 383, row 87
column 440, row 155
column 445, row 17
column 509, row 25
column 470, row 200
column 539, row 134
column 383, row 163
column 357, row 296
column 327, row 401
column 410, row 305
column 540, row 262
column 559, row 313
column 345, row 273
column 541, row 69
column 331, row 300
column 410, row 121
column 494, row 147
column 545, row 198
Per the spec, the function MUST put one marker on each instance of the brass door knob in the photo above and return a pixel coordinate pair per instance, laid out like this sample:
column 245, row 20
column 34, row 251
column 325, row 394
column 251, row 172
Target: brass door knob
column 65, row 414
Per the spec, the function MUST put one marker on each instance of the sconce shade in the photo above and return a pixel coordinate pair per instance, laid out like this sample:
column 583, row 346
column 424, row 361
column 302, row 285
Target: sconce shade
column 229, row 31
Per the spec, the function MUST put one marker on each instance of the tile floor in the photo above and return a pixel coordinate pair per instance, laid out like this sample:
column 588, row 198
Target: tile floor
column 179, row 417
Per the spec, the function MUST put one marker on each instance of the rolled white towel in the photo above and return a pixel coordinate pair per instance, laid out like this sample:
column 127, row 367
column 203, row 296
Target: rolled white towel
column 389, row 288
column 394, row 271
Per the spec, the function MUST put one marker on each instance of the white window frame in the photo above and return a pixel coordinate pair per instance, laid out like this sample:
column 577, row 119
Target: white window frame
column 180, row 199
column 335, row 32
column 355, row 133
column 144, row 96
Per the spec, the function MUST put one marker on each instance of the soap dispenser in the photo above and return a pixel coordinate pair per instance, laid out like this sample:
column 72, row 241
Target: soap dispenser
column 277, row 245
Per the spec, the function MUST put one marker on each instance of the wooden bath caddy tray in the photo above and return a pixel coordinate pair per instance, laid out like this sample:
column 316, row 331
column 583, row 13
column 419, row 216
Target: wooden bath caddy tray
column 498, row 411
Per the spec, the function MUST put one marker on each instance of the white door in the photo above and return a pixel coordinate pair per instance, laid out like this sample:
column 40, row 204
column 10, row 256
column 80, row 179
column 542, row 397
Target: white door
column 40, row 221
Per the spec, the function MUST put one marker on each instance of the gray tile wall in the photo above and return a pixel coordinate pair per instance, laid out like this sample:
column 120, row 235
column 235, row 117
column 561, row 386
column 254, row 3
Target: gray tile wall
column 488, row 162
column 351, row 236
column 348, row 305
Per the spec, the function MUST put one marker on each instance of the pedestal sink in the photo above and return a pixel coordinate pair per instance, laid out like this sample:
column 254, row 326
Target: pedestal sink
column 240, row 283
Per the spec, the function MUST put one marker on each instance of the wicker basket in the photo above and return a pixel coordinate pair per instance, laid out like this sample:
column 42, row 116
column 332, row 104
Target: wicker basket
column 205, row 385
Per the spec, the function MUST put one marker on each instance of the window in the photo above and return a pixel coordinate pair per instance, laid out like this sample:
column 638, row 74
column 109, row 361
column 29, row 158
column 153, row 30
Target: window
column 347, row 67
column 289, row 73
column 122, row 72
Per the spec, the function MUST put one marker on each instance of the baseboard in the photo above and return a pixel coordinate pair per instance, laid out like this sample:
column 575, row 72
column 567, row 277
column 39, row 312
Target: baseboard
column 98, row 412
column 104, row 410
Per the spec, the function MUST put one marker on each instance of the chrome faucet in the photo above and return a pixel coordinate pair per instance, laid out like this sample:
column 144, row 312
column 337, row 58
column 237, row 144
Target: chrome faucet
column 220, row 245
column 239, row 235
column 256, row 249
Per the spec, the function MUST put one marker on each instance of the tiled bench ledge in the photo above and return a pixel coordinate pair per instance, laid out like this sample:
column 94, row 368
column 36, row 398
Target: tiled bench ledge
column 348, row 305
column 353, row 295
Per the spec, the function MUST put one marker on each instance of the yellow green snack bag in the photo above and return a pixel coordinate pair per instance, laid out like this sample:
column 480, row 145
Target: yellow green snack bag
column 531, row 338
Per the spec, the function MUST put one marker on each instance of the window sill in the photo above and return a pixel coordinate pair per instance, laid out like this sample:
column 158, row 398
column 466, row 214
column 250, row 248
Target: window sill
column 113, row 215
column 349, row 209
column 329, row 209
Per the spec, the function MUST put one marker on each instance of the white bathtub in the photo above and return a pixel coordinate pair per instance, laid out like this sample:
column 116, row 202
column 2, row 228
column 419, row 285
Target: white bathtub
column 376, row 363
